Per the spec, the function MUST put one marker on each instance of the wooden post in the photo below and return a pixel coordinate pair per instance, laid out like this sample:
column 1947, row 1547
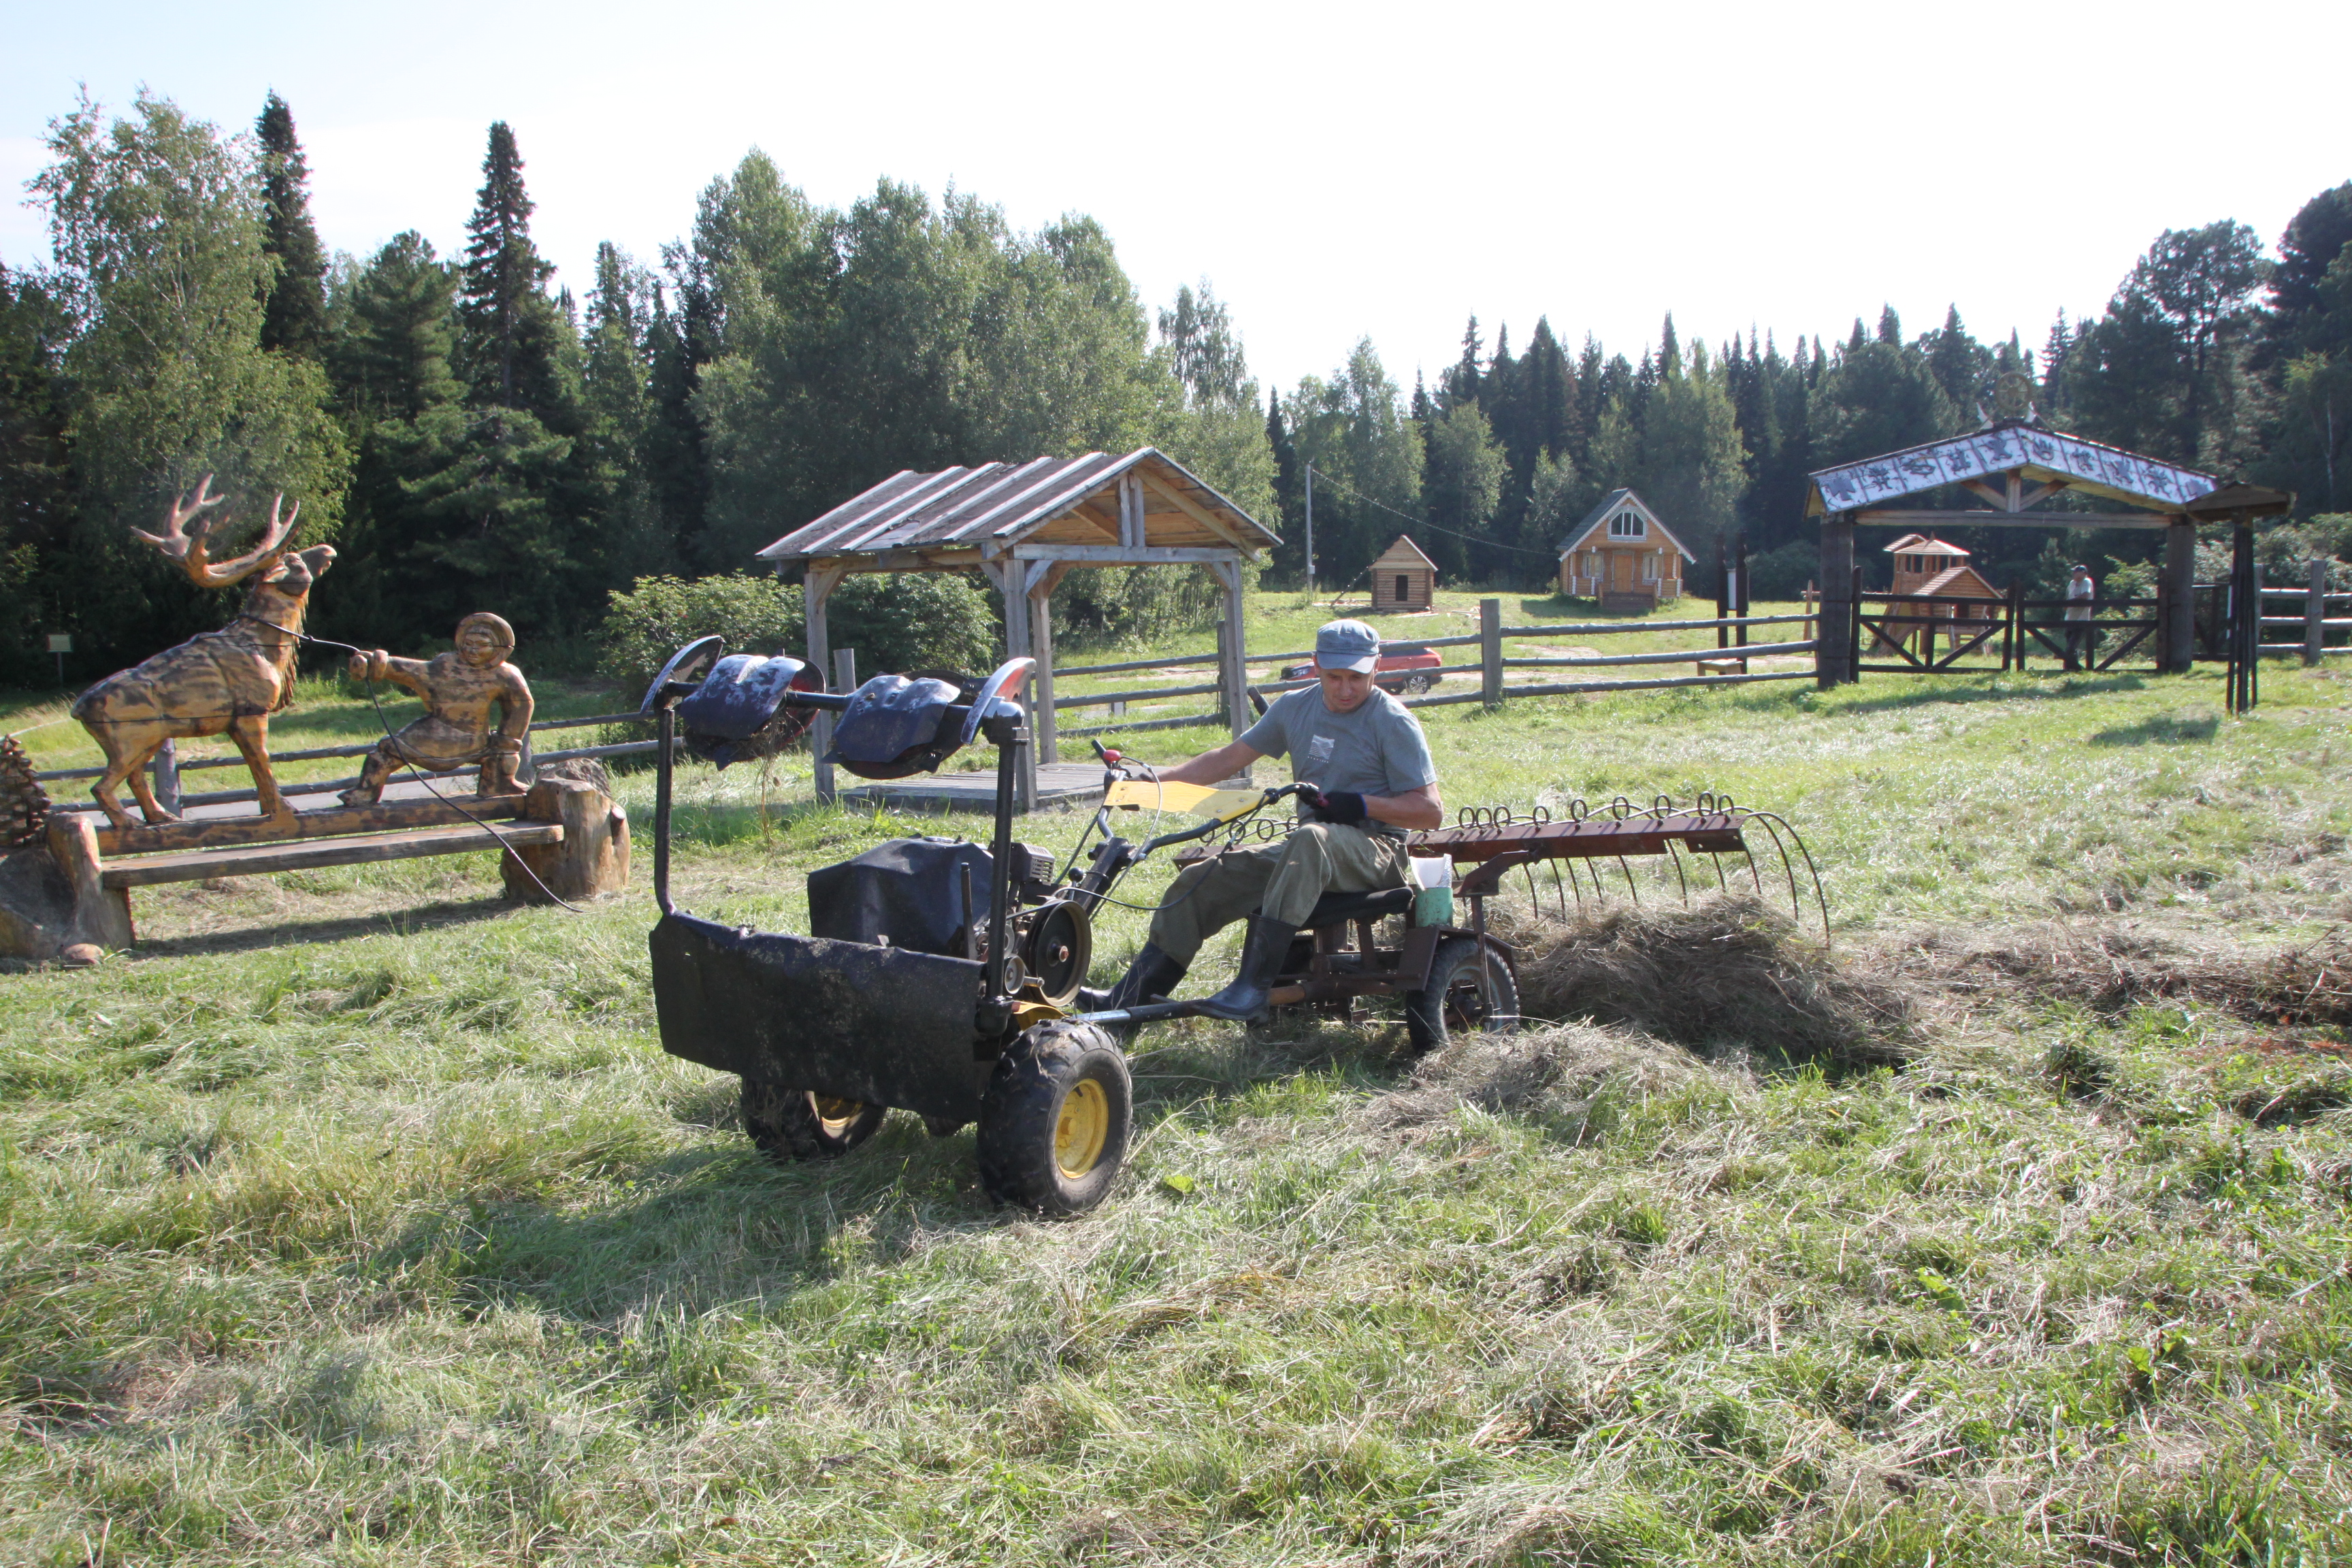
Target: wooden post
column 2245, row 617
column 2012, row 641
column 1739, row 592
column 817, row 583
column 845, row 670
column 1490, row 651
column 1012, row 580
column 2178, row 646
column 167, row 776
column 1042, row 578
column 1836, row 654
column 1854, row 628
column 1232, row 654
column 2314, row 614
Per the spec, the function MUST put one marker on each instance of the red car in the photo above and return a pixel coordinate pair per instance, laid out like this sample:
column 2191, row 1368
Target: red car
column 1404, row 667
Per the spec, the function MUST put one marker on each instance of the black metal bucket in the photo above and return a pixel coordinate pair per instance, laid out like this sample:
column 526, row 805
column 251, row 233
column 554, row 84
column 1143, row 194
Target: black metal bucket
column 877, row 1025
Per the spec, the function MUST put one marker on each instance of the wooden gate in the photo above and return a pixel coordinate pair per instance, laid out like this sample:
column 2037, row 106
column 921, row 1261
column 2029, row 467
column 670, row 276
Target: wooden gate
column 1940, row 634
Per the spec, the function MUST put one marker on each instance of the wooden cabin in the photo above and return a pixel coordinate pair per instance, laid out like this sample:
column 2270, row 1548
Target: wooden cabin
column 1928, row 565
column 1622, row 555
column 1403, row 578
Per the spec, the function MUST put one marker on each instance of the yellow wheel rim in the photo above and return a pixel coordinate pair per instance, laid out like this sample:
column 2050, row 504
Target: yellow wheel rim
column 836, row 1115
column 1080, row 1131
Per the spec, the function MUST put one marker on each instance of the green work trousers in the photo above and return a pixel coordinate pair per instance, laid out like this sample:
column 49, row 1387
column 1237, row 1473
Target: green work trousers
column 1281, row 881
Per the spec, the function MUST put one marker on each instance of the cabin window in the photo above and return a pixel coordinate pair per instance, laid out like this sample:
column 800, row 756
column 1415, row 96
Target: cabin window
column 1625, row 525
column 1649, row 568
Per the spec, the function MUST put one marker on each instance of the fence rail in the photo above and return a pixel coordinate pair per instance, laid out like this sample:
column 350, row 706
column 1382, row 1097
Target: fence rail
column 1491, row 668
column 167, row 767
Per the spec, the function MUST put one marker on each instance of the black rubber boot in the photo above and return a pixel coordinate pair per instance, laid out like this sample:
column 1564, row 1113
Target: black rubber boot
column 1250, row 997
column 1153, row 973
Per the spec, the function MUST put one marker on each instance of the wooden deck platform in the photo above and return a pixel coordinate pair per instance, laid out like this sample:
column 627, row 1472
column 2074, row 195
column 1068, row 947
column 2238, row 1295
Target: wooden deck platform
column 1058, row 783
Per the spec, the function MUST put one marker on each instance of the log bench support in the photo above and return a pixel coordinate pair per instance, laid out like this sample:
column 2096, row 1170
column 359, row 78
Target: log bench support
column 68, row 899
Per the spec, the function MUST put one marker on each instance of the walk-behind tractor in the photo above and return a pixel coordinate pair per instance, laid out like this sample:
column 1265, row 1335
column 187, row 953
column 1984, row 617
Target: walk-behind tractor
column 943, row 978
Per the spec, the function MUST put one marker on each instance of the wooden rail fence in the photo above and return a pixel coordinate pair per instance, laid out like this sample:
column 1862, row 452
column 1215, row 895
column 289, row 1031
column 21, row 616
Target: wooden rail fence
column 1724, row 664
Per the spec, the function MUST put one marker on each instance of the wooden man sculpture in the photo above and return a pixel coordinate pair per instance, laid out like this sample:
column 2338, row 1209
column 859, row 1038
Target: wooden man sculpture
column 229, row 680
column 459, row 689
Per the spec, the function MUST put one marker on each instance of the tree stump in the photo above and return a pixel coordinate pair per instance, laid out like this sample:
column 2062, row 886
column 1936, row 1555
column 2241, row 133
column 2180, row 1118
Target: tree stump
column 591, row 859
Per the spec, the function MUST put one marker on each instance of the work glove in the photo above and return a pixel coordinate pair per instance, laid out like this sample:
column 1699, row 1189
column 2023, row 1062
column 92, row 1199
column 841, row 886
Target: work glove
column 1344, row 806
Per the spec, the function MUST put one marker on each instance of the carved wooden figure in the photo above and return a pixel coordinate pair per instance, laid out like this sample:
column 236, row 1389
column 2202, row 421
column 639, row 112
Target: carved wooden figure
column 459, row 689
column 230, row 681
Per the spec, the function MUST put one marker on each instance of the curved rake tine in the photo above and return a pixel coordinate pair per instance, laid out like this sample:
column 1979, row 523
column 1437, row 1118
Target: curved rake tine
column 1629, row 881
column 1576, row 884
column 1753, row 875
column 1535, row 899
column 1796, row 900
column 1558, row 892
column 1675, row 855
column 1819, row 897
column 1716, row 855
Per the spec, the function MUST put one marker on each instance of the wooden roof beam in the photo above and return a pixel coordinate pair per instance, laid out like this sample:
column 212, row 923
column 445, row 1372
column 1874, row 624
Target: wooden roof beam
column 1894, row 518
column 1184, row 504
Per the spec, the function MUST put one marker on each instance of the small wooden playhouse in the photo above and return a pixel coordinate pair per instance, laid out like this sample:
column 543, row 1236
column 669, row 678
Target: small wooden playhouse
column 1923, row 564
column 1403, row 578
column 1622, row 555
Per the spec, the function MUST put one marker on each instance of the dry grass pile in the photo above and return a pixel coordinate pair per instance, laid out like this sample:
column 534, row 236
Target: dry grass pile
column 2110, row 967
column 1562, row 1070
column 1726, row 974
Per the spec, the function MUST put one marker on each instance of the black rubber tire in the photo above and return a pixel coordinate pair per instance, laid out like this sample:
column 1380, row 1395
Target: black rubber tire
column 789, row 1125
column 1023, row 1140
column 1417, row 683
column 1453, row 1000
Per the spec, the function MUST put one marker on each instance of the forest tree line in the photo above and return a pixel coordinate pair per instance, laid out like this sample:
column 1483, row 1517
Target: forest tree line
column 469, row 436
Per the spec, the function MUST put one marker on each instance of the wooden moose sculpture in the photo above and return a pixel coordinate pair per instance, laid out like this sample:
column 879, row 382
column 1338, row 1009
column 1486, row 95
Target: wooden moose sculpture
column 231, row 679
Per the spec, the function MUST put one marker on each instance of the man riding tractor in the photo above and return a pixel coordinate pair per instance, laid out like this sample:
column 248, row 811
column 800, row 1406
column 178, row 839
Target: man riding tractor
column 1365, row 752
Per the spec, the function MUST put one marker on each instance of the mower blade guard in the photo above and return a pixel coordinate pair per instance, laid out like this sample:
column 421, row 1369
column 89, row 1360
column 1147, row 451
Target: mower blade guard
column 877, row 1025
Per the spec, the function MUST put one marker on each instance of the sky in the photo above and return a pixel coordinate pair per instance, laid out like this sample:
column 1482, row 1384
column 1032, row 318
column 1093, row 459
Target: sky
column 1334, row 172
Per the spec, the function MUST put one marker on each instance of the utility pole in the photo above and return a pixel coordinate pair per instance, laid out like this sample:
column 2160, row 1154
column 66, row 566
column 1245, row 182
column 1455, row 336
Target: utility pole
column 1310, row 529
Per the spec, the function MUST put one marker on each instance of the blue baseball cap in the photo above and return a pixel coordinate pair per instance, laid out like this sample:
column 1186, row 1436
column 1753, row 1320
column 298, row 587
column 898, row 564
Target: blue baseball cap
column 1347, row 645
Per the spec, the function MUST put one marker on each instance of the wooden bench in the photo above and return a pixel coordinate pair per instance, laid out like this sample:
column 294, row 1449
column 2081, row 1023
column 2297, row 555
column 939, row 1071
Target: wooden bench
column 1723, row 665
column 562, row 839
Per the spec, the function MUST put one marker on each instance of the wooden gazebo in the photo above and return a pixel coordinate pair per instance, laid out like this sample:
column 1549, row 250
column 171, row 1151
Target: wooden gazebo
column 1025, row 525
column 2015, row 465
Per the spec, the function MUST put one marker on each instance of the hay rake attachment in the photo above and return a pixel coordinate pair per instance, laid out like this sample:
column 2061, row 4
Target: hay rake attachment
column 1712, row 825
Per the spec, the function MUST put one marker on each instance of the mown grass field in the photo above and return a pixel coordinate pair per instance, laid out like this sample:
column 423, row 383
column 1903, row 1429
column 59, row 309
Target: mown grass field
column 358, row 1218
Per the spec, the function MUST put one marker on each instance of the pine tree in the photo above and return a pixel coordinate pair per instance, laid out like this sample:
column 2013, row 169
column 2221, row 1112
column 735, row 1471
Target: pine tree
column 1670, row 351
column 676, row 467
column 2053, row 366
column 1890, row 327
column 1854, row 344
column 1957, row 362
column 294, row 308
column 1460, row 385
column 506, row 314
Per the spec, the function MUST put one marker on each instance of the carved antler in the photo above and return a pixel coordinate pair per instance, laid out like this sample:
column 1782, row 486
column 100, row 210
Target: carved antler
column 186, row 545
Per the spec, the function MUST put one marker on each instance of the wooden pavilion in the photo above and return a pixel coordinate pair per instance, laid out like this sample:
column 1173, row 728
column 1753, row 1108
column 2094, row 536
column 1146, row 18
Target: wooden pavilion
column 1403, row 578
column 2014, row 465
column 1025, row 526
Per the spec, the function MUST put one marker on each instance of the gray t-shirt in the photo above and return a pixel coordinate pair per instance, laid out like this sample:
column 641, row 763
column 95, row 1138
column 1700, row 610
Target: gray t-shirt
column 1377, row 749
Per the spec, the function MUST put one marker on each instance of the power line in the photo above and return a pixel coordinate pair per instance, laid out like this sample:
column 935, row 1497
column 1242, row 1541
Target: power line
column 1417, row 523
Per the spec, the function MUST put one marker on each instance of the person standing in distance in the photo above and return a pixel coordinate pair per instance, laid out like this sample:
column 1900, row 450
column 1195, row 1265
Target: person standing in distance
column 2082, row 635
column 1365, row 752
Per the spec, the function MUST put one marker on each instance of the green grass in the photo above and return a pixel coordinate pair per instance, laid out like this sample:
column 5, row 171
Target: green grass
column 358, row 1218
